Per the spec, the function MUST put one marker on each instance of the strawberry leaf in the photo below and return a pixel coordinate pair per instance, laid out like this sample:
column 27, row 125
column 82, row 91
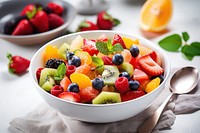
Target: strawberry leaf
column 171, row 43
column 32, row 13
column 116, row 22
column 185, row 36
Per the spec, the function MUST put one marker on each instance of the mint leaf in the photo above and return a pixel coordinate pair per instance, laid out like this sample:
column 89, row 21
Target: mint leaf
column 185, row 36
column 116, row 22
column 109, row 45
column 196, row 45
column 190, row 50
column 189, row 57
column 61, row 71
column 171, row 43
column 103, row 48
column 97, row 61
column 117, row 47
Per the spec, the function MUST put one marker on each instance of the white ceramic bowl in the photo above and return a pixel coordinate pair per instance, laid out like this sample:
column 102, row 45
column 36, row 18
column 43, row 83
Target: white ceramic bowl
column 98, row 113
column 10, row 9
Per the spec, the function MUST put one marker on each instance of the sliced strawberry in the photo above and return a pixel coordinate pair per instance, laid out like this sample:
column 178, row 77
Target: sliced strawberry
column 27, row 8
column 102, row 38
column 70, row 96
column 55, row 21
column 155, row 57
column 134, row 62
column 132, row 95
column 148, row 65
column 56, row 8
column 24, row 27
column 140, row 75
column 107, row 60
column 40, row 21
column 118, row 39
column 87, row 25
column 38, row 72
column 87, row 94
column 90, row 47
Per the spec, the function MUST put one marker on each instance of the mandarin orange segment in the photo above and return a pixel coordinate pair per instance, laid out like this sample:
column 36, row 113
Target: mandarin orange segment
column 144, row 50
column 127, row 55
column 50, row 52
column 155, row 15
column 82, row 80
column 84, row 56
column 129, row 42
column 84, row 69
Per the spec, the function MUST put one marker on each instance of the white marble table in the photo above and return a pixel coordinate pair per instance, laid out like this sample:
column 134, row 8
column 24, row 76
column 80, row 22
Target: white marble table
column 17, row 93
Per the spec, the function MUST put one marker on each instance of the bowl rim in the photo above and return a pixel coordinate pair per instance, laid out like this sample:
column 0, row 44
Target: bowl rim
column 72, row 8
column 167, row 74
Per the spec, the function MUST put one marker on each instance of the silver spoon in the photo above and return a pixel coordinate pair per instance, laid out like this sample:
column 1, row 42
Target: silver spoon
column 183, row 81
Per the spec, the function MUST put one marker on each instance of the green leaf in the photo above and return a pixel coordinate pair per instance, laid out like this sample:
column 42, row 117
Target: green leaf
column 189, row 57
column 97, row 61
column 117, row 47
column 185, row 36
column 190, row 50
column 103, row 48
column 171, row 43
column 109, row 45
column 196, row 45
column 32, row 13
column 107, row 16
column 61, row 71
column 116, row 22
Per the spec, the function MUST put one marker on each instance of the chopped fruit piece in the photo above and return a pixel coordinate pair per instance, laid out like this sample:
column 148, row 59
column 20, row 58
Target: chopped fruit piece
column 27, row 8
column 53, row 63
column 110, row 74
column 88, row 94
column 55, row 21
column 129, row 42
column 73, row 87
column 64, row 83
column 63, row 50
column 148, row 65
column 82, row 80
column 126, row 67
column 17, row 64
column 75, row 61
column 118, row 39
column 38, row 72
column 70, row 96
column 152, row 85
column 76, row 44
column 132, row 95
column 56, row 90
column 56, row 8
column 24, row 27
column 87, row 25
column 134, row 51
column 127, row 55
column 47, row 74
column 143, row 83
column 90, row 47
column 140, row 75
column 134, row 62
column 122, row 85
column 107, row 98
column 155, row 15
column 125, row 74
column 70, row 69
column 98, row 83
column 107, row 60
column 50, row 52
column 103, row 38
column 144, row 50
column 84, row 69
column 109, row 88
column 84, row 56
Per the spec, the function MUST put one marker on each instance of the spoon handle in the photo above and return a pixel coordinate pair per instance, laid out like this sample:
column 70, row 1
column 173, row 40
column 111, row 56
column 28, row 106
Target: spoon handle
column 151, row 122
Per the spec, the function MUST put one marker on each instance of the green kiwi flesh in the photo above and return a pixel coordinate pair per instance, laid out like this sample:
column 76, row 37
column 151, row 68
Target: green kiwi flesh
column 47, row 74
column 107, row 98
column 110, row 74
column 127, row 67
column 62, row 51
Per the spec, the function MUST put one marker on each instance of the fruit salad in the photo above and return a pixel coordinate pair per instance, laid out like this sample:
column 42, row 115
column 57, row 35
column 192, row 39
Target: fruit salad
column 35, row 18
column 101, row 70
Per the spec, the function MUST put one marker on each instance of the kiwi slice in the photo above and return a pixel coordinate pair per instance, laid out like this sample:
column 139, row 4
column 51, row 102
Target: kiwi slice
column 48, row 84
column 125, row 66
column 107, row 98
column 46, row 75
column 110, row 74
column 62, row 51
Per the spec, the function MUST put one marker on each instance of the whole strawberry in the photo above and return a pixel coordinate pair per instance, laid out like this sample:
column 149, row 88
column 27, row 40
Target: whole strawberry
column 56, row 8
column 24, row 27
column 87, row 25
column 105, row 21
column 55, row 21
column 17, row 64
column 27, row 8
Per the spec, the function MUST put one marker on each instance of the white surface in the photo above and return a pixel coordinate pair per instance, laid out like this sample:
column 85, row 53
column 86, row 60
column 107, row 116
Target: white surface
column 18, row 96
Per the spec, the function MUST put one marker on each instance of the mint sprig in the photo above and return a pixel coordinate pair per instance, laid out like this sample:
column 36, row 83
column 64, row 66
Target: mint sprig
column 61, row 71
column 179, row 43
column 97, row 61
column 107, row 47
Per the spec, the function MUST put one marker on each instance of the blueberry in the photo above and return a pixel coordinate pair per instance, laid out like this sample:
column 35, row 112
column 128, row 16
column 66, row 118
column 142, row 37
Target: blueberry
column 125, row 74
column 98, row 83
column 47, row 10
column 134, row 51
column 134, row 85
column 117, row 59
column 161, row 78
column 75, row 60
column 69, row 55
column 73, row 87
